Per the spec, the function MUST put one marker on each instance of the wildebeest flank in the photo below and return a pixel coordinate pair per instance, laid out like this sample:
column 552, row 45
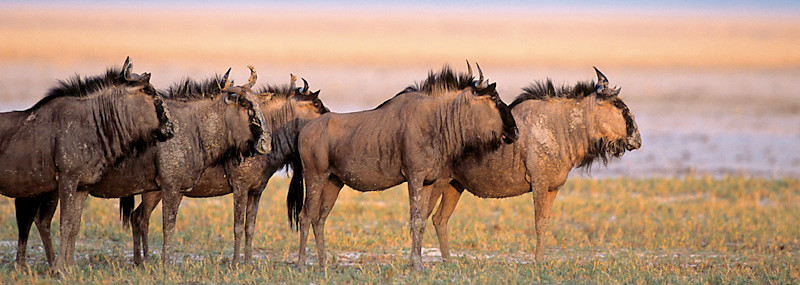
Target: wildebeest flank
column 69, row 138
column 286, row 110
column 560, row 129
column 415, row 136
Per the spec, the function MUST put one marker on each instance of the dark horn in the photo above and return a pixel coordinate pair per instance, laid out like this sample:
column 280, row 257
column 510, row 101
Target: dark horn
column 253, row 77
column 469, row 69
column 125, row 73
column 224, row 84
column 305, row 86
column 601, row 79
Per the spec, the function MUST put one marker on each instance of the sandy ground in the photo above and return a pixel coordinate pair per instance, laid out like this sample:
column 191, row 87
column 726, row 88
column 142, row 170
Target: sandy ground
column 712, row 94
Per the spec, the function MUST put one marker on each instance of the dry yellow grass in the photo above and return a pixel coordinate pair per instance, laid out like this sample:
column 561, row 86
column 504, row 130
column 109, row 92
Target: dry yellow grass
column 398, row 37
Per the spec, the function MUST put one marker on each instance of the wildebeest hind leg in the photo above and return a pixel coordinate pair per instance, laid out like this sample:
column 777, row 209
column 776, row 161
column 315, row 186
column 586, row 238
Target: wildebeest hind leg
column 26, row 209
column 141, row 223
column 47, row 208
column 314, row 185
column 543, row 202
column 329, row 194
column 450, row 197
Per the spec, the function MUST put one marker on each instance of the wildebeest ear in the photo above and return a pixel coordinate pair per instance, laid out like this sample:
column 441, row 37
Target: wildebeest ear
column 145, row 78
column 488, row 90
column 314, row 95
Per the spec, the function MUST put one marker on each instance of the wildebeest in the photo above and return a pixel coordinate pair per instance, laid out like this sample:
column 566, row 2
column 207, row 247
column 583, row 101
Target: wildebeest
column 286, row 110
column 560, row 129
column 215, row 125
column 415, row 137
column 69, row 138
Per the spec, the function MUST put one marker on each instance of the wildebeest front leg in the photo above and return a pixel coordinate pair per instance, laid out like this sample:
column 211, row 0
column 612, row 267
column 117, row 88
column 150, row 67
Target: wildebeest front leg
column 418, row 196
column 450, row 197
column 239, row 212
column 171, row 200
column 26, row 209
column 250, row 225
column 47, row 208
column 543, row 202
column 67, row 195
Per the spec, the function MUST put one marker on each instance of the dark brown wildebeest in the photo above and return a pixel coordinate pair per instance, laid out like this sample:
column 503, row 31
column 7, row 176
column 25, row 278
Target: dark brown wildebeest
column 69, row 138
column 220, row 125
column 286, row 110
column 415, row 136
column 560, row 129
column 214, row 123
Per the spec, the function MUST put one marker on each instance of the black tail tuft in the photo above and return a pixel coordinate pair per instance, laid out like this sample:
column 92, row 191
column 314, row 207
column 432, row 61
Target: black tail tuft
column 294, row 199
column 126, row 210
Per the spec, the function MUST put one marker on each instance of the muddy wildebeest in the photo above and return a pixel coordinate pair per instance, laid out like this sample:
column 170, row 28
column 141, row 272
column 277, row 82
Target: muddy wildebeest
column 213, row 123
column 414, row 137
column 69, row 138
column 286, row 110
column 560, row 129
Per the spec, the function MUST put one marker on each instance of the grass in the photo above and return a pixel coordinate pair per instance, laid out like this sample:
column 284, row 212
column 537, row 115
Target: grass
column 692, row 230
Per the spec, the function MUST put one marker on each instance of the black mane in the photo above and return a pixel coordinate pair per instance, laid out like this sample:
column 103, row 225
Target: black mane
column 543, row 90
column 78, row 86
column 444, row 80
column 190, row 90
column 284, row 91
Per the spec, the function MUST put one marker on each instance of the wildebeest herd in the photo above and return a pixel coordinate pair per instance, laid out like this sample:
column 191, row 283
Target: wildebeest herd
column 116, row 136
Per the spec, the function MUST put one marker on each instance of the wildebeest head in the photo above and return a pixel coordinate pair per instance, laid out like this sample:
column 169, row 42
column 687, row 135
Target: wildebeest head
column 165, row 127
column 485, row 91
column 616, row 126
column 243, row 110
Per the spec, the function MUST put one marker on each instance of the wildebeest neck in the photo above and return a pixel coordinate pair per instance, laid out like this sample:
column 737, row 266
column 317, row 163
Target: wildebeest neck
column 455, row 130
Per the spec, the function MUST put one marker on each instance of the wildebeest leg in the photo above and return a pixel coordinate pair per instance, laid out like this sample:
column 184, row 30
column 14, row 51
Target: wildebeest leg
column 250, row 225
column 543, row 202
column 418, row 196
column 329, row 194
column 171, row 200
column 450, row 197
column 26, row 209
column 239, row 212
column 47, row 208
column 141, row 225
column 80, row 199
column 67, row 194
column 314, row 185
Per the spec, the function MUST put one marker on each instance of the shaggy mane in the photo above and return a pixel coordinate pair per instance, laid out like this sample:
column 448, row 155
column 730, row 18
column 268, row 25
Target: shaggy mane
column 190, row 90
column 543, row 90
column 78, row 86
column 284, row 91
column 438, row 83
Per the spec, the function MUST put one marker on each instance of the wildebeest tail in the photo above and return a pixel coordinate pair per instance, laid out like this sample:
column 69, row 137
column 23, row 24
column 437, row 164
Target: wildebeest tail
column 126, row 210
column 294, row 199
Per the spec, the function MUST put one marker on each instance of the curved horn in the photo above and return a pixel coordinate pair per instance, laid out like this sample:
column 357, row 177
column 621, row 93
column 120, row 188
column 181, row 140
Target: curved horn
column 480, row 75
column 469, row 69
column 125, row 70
column 601, row 79
column 292, row 81
column 224, row 84
column 305, row 86
column 253, row 76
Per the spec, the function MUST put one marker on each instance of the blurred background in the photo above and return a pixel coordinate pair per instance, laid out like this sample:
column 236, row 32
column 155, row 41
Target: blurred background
column 713, row 84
